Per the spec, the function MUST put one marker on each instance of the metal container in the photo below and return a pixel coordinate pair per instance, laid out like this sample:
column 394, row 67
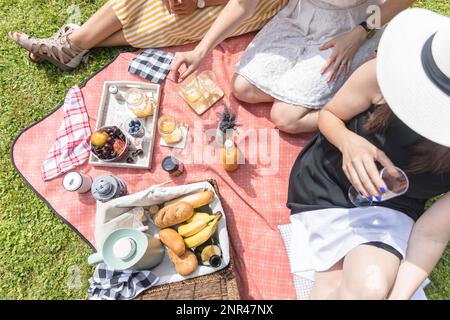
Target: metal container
column 77, row 182
column 107, row 187
column 119, row 156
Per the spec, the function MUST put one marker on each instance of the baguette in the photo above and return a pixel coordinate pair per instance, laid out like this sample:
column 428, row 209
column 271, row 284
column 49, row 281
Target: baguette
column 197, row 200
column 173, row 214
column 172, row 240
column 184, row 265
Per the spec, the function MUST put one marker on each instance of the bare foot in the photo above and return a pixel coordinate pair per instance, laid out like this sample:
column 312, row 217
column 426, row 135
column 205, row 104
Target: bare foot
column 15, row 36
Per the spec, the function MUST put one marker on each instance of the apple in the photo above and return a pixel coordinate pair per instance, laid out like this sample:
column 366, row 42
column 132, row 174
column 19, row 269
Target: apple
column 99, row 138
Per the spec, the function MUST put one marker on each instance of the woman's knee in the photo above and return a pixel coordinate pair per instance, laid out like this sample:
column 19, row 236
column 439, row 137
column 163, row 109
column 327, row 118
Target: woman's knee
column 281, row 120
column 244, row 91
column 287, row 117
column 366, row 286
column 241, row 88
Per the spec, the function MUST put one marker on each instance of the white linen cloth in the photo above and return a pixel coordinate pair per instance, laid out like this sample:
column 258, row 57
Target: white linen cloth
column 316, row 240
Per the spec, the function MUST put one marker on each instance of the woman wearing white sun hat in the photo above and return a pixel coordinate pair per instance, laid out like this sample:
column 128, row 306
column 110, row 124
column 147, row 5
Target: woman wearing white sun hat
column 392, row 111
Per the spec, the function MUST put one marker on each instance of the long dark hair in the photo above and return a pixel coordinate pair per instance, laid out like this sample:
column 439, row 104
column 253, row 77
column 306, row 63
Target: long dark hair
column 429, row 157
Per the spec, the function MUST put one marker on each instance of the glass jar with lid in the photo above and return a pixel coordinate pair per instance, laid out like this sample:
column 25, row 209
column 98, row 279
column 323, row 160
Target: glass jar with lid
column 139, row 103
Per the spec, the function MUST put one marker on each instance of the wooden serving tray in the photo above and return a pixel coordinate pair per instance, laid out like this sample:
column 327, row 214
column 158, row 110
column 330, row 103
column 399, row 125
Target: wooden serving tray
column 214, row 93
column 113, row 113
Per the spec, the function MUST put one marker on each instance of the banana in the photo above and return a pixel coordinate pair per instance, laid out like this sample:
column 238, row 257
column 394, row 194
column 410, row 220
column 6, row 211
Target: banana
column 189, row 229
column 203, row 235
column 199, row 216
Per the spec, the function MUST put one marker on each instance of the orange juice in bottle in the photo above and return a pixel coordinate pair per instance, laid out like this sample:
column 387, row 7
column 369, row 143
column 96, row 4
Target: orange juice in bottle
column 229, row 156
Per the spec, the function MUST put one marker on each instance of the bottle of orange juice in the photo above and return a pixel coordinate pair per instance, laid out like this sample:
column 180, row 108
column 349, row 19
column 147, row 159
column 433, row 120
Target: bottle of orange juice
column 230, row 155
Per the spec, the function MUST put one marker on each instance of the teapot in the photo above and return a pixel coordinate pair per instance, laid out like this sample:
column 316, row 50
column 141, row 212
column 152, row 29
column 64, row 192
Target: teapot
column 129, row 249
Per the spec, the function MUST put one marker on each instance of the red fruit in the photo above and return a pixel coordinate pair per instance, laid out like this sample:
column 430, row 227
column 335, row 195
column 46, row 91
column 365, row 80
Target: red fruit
column 118, row 146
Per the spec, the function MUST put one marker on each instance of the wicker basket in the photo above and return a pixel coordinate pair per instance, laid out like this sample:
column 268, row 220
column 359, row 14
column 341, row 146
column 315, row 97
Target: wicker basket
column 220, row 285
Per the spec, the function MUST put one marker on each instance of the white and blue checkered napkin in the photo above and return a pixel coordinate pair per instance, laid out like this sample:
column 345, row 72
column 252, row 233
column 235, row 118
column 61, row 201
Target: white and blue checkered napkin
column 109, row 284
column 151, row 64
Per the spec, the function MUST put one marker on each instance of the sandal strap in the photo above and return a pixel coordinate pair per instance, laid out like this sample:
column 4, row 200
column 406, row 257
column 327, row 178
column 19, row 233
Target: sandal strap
column 66, row 41
column 65, row 30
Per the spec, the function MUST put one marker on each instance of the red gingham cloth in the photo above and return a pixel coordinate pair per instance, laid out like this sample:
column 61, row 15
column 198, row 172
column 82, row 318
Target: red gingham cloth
column 255, row 204
column 71, row 147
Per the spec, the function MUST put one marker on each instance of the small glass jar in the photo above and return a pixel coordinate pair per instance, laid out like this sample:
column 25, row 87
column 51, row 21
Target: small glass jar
column 173, row 166
column 193, row 89
column 139, row 103
column 169, row 129
column 135, row 127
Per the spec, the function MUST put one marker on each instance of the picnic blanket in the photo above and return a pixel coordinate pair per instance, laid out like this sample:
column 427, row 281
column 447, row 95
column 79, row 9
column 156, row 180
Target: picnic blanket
column 253, row 197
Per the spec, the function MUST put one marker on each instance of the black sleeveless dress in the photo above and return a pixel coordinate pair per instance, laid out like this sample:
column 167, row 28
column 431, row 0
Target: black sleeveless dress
column 317, row 180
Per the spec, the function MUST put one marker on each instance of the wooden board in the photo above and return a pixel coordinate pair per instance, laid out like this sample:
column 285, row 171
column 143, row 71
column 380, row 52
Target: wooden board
column 212, row 94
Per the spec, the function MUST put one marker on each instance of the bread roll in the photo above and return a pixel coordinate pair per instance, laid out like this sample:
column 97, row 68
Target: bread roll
column 173, row 214
column 153, row 209
column 172, row 240
column 197, row 200
column 184, row 265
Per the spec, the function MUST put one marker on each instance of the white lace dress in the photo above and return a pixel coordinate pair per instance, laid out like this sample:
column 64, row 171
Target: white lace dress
column 284, row 59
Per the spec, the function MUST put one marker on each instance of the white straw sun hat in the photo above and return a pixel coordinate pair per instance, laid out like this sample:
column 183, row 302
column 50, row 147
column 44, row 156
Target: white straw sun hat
column 413, row 70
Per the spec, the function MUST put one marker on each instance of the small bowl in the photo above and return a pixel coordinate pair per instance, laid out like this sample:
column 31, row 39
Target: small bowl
column 121, row 155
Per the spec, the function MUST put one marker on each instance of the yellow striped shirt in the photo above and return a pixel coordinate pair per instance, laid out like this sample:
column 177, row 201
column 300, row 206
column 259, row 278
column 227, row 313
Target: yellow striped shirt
column 148, row 24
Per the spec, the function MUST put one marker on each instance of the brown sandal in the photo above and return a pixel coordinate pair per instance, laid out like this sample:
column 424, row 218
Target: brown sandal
column 63, row 31
column 58, row 49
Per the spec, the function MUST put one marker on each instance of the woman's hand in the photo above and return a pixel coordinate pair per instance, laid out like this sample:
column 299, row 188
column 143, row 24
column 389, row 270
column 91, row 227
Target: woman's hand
column 229, row 20
column 344, row 47
column 181, row 7
column 358, row 163
column 190, row 59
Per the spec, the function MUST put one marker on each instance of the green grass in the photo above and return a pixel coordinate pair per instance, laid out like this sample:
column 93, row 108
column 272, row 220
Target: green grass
column 38, row 252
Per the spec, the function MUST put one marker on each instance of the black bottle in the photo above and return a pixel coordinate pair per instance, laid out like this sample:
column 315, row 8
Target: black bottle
column 209, row 254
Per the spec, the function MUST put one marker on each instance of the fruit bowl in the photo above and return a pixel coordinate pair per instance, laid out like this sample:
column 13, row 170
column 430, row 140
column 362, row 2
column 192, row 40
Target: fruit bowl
column 109, row 144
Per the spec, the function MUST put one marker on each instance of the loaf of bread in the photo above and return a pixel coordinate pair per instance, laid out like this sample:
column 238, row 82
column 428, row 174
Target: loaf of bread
column 197, row 200
column 173, row 214
column 185, row 264
column 172, row 240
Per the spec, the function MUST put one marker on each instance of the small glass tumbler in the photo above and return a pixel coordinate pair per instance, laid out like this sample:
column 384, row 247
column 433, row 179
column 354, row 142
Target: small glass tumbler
column 169, row 129
column 192, row 89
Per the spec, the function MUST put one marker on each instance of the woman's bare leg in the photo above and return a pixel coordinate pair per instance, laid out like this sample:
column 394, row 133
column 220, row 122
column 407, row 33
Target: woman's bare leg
column 101, row 26
column 326, row 283
column 286, row 117
column 294, row 119
column 244, row 91
column 116, row 40
column 102, row 29
column 368, row 273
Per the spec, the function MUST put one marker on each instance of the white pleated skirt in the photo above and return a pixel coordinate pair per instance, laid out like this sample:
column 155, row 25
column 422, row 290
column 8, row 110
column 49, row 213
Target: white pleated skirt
column 321, row 238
